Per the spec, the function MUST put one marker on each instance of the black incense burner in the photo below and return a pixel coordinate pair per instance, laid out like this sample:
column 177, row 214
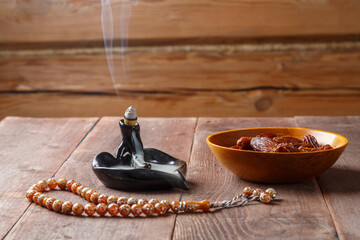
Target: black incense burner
column 136, row 168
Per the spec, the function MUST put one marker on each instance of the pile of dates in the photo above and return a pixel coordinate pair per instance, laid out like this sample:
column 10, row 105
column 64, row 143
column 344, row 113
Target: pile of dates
column 271, row 142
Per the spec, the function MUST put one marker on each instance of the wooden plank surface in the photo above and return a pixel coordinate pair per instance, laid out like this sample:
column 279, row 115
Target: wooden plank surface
column 340, row 184
column 219, row 80
column 300, row 213
column 257, row 102
column 173, row 136
column 31, row 150
column 253, row 56
column 48, row 21
column 170, row 68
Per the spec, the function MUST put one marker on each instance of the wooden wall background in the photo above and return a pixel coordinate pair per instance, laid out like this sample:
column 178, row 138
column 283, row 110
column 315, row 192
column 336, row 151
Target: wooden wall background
column 187, row 58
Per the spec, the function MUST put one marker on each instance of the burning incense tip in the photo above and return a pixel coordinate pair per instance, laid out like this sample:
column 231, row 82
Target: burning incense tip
column 130, row 116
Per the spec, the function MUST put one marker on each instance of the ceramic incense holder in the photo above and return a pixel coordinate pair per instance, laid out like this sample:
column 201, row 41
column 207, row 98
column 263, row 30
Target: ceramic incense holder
column 135, row 168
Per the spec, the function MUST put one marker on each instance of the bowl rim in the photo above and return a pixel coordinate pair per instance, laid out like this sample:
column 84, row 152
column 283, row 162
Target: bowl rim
column 281, row 153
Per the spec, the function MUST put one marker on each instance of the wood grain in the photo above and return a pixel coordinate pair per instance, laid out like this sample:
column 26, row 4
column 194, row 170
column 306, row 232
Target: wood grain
column 31, row 150
column 173, row 136
column 340, row 184
column 227, row 58
column 300, row 211
column 171, row 68
column 72, row 20
column 219, row 80
column 264, row 102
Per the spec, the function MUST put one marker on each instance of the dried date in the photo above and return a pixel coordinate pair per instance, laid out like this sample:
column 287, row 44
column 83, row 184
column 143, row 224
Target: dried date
column 286, row 139
column 244, row 143
column 325, row 147
column 286, row 147
column 263, row 144
column 307, row 149
column 310, row 139
column 271, row 142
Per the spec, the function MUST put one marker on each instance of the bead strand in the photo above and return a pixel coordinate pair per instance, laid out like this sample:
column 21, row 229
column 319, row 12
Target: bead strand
column 112, row 205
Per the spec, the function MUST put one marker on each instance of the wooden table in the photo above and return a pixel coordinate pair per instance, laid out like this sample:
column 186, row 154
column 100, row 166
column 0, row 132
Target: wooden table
column 33, row 149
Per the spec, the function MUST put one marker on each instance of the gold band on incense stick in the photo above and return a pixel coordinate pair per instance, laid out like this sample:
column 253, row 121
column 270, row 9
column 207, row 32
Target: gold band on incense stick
column 130, row 122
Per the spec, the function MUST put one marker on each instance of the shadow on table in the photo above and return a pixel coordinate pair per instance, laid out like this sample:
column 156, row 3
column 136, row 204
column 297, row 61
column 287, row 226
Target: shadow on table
column 340, row 179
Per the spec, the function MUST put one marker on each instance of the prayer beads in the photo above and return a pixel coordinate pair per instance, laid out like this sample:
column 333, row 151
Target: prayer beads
column 102, row 204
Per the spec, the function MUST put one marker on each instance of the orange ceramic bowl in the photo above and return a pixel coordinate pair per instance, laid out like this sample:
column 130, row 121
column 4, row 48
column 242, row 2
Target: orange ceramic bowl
column 276, row 167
